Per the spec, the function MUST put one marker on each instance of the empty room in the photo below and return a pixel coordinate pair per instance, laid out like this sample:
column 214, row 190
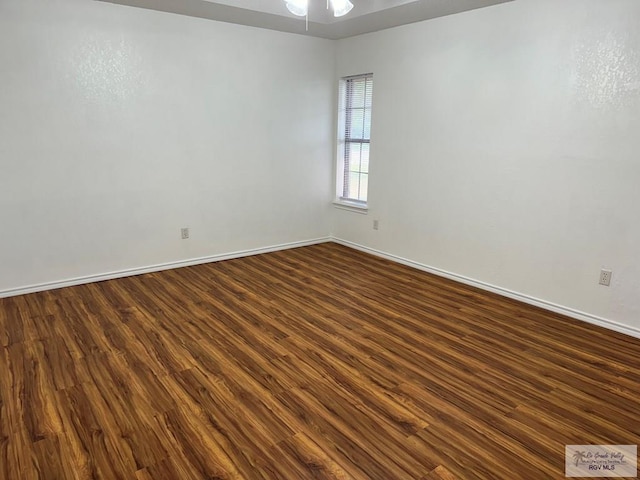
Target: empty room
column 291, row 239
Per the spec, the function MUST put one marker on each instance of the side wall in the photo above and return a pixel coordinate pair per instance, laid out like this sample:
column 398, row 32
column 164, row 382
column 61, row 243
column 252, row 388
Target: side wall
column 119, row 126
column 506, row 149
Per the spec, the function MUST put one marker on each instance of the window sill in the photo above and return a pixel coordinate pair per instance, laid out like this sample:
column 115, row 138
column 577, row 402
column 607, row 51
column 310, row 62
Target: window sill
column 351, row 207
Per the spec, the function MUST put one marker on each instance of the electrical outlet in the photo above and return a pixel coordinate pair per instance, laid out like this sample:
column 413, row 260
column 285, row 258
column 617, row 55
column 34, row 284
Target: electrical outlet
column 185, row 233
column 376, row 224
column 605, row 277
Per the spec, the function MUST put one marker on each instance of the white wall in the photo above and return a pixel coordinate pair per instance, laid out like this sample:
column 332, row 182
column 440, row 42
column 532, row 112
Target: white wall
column 120, row 125
column 505, row 143
column 506, row 148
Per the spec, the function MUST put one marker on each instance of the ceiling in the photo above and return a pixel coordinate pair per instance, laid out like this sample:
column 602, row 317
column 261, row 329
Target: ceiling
column 318, row 11
column 366, row 16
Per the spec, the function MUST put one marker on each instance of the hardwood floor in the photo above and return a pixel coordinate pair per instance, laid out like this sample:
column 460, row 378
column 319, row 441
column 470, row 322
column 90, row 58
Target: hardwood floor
column 318, row 362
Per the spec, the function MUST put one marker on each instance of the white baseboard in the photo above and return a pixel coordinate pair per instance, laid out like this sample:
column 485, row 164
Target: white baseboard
column 156, row 268
column 569, row 312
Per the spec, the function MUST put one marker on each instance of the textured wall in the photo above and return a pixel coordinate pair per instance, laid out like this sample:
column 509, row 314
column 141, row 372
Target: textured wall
column 119, row 126
column 505, row 148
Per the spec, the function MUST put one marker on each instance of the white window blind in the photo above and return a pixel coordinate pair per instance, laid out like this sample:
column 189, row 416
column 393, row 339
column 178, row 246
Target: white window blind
column 355, row 138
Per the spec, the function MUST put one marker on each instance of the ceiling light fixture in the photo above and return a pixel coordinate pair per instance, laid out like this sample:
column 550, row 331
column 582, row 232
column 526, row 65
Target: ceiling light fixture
column 298, row 7
column 341, row 7
column 301, row 8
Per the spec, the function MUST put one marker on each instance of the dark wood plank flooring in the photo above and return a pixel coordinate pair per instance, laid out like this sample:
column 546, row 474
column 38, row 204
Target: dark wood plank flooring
column 317, row 362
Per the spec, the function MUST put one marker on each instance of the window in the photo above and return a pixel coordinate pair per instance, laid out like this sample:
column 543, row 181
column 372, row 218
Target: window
column 354, row 138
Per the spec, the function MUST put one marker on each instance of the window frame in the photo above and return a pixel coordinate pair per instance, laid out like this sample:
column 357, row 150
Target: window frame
column 345, row 141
